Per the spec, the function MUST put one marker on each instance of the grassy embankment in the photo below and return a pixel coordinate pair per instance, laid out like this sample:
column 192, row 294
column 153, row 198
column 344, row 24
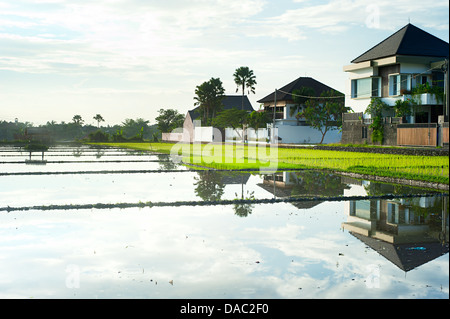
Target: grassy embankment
column 423, row 168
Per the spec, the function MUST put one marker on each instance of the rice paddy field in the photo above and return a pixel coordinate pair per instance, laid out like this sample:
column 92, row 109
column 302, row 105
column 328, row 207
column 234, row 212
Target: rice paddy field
column 111, row 222
column 421, row 168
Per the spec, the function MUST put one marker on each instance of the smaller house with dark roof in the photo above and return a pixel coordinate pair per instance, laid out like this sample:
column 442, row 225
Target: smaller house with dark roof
column 290, row 129
column 206, row 134
column 406, row 67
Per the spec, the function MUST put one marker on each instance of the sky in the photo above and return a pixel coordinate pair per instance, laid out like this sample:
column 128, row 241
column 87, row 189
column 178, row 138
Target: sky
column 126, row 59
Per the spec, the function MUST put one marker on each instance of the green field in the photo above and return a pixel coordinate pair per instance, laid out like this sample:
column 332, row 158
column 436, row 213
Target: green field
column 422, row 168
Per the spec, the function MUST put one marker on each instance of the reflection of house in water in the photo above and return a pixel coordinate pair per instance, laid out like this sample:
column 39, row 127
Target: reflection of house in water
column 240, row 178
column 306, row 183
column 210, row 185
column 408, row 232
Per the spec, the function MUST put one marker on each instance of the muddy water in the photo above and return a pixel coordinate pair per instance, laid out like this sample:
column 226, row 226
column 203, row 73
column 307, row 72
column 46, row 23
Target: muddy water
column 374, row 247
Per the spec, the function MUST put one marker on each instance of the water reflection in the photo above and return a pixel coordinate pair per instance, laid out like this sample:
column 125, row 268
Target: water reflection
column 210, row 186
column 303, row 184
column 305, row 249
column 165, row 163
column 408, row 232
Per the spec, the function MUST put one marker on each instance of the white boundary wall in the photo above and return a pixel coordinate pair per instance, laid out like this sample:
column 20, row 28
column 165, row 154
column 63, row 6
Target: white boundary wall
column 288, row 134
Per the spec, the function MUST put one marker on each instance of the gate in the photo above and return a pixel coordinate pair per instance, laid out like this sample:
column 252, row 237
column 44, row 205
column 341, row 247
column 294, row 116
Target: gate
column 425, row 134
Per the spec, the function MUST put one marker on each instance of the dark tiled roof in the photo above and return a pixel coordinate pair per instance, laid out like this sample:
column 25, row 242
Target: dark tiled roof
column 317, row 86
column 229, row 102
column 410, row 40
column 235, row 101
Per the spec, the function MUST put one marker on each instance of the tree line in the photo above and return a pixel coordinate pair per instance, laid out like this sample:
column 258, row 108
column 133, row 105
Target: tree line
column 320, row 113
column 76, row 130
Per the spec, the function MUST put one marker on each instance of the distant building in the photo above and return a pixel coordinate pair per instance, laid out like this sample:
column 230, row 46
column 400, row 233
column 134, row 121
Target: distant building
column 291, row 129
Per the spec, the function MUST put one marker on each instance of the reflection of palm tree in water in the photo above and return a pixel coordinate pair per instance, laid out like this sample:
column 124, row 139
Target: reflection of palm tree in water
column 209, row 186
column 245, row 208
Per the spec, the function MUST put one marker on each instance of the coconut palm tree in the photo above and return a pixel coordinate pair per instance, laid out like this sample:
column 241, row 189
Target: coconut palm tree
column 244, row 78
column 77, row 120
column 99, row 119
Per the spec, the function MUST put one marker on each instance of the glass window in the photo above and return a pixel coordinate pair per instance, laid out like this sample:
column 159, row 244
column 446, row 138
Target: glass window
column 364, row 132
column 394, row 89
column 399, row 83
column 362, row 88
column 376, row 87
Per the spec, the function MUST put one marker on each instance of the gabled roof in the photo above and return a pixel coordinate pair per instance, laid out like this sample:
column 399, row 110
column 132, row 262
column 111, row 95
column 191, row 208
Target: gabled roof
column 284, row 93
column 229, row 102
column 235, row 101
column 405, row 256
column 410, row 40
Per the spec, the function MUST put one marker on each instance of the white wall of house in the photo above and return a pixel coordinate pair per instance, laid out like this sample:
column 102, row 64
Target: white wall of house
column 358, row 104
column 172, row 137
column 306, row 135
column 415, row 68
column 287, row 113
column 207, row 134
column 232, row 134
column 253, row 136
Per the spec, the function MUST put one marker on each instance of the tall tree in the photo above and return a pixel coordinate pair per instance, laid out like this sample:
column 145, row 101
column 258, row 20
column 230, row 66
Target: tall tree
column 135, row 128
column 99, row 119
column 325, row 113
column 168, row 120
column 209, row 96
column 244, row 78
column 233, row 118
column 258, row 120
column 77, row 120
column 300, row 97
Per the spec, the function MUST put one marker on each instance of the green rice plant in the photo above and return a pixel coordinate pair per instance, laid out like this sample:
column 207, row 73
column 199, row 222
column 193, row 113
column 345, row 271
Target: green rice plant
column 238, row 156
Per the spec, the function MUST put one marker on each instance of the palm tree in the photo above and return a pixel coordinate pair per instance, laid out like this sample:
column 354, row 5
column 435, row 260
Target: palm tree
column 99, row 119
column 209, row 96
column 77, row 120
column 244, row 78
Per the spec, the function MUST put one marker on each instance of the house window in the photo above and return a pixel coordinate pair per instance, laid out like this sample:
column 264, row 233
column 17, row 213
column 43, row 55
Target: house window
column 392, row 213
column 421, row 79
column 398, row 83
column 364, row 132
column 365, row 88
column 376, row 87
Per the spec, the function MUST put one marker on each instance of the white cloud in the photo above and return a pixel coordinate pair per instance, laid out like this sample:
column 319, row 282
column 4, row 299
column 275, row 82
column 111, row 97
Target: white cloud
column 175, row 45
column 339, row 15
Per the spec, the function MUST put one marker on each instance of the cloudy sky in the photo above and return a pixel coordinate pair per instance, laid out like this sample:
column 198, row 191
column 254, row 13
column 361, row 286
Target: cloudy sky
column 129, row 58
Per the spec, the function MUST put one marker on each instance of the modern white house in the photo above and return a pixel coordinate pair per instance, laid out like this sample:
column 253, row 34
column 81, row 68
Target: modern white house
column 293, row 130
column 408, row 66
column 393, row 68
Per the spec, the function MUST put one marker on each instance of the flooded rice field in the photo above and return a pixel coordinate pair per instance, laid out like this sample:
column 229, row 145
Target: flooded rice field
column 65, row 232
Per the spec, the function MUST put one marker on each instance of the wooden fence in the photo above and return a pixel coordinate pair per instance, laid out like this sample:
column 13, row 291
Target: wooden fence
column 445, row 133
column 417, row 134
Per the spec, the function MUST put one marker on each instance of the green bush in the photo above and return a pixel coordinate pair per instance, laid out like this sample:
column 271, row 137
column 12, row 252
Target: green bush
column 98, row 136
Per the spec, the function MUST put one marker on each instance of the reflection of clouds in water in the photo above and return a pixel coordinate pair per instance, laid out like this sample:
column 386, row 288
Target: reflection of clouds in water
column 206, row 251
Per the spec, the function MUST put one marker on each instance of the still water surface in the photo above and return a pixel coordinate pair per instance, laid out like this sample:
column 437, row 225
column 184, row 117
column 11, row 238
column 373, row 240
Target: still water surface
column 372, row 248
